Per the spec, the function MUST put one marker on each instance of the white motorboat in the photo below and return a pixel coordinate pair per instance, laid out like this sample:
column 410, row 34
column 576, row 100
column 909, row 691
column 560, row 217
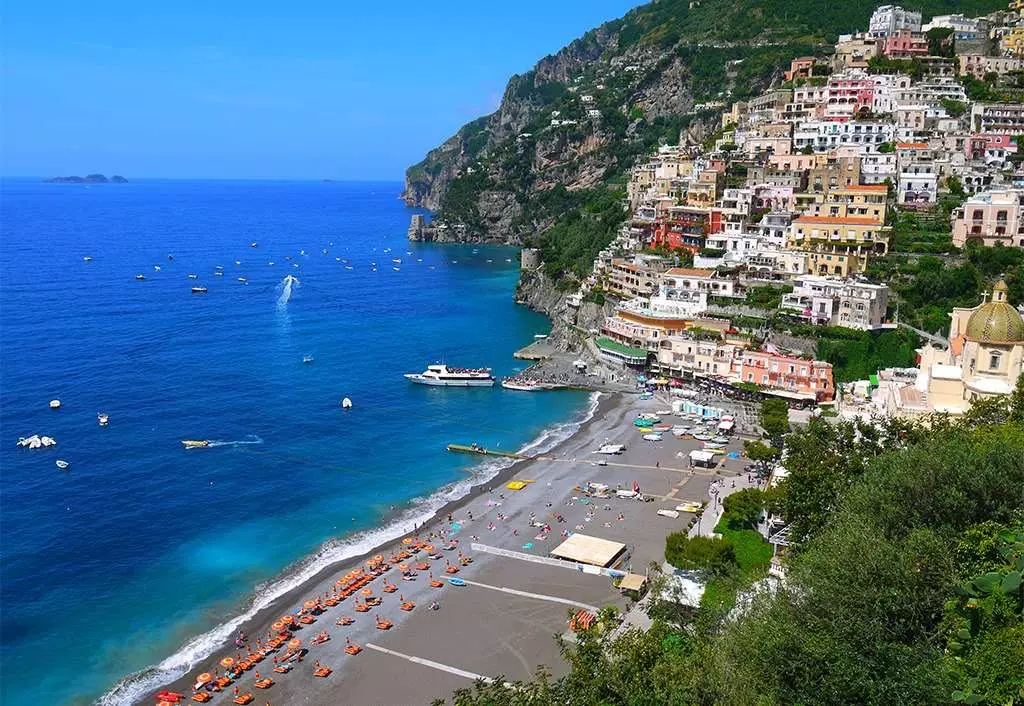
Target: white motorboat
column 87, row 258
column 441, row 374
column 611, row 449
column 54, row 404
column 307, row 359
column 219, row 273
column 193, row 275
column 199, row 290
column 140, row 277
column 156, row 268
column 103, row 419
column 243, row 280
column 652, row 437
column 346, row 403
column 254, row 244
column 62, row 464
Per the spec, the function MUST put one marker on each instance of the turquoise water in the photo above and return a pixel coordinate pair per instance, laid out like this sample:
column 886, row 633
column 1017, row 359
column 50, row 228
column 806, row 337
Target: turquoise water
column 128, row 559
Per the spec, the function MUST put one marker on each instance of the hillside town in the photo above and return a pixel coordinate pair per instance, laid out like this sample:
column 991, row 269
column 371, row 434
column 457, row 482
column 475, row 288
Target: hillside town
column 795, row 196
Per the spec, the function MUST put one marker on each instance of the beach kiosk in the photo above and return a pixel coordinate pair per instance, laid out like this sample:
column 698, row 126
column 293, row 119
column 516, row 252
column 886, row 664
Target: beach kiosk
column 583, row 549
column 702, row 459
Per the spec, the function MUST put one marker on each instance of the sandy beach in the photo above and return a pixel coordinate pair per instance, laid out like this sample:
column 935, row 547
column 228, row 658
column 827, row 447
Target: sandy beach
column 503, row 621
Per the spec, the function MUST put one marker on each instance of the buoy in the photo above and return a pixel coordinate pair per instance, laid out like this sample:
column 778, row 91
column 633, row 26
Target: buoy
column 54, row 404
column 346, row 403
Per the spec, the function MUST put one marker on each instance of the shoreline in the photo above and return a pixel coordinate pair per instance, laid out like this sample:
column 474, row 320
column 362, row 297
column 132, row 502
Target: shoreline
column 141, row 686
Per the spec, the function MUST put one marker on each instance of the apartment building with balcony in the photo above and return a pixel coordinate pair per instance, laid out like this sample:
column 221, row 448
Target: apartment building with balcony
column 801, row 378
column 837, row 246
column 998, row 117
column 990, row 218
column 830, row 301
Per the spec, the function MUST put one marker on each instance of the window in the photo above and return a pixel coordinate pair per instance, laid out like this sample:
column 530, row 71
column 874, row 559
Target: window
column 994, row 360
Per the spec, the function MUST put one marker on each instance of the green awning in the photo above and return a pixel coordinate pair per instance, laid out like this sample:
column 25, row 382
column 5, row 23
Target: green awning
column 873, row 379
column 620, row 350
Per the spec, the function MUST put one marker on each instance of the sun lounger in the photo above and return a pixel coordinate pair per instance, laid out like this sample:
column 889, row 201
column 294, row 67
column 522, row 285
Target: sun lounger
column 353, row 649
column 244, row 699
column 202, row 697
column 322, row 672
column 407, row 606
column 668, row 513
column 282, row 669
column 265, row 683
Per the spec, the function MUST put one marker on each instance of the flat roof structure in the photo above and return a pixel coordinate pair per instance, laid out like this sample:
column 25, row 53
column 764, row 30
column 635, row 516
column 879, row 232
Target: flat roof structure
column 584, row 549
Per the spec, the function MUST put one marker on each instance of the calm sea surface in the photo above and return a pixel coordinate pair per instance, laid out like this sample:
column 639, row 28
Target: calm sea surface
column 142, row 548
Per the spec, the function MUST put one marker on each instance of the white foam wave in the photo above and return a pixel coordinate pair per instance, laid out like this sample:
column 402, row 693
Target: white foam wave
column 248, row 441
column 133, row 687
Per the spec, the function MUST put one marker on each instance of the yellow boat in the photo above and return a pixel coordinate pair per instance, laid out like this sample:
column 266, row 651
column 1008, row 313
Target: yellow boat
column 192, row 444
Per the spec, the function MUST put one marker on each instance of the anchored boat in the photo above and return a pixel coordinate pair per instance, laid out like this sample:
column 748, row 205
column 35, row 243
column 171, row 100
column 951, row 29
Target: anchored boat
column 453, row 377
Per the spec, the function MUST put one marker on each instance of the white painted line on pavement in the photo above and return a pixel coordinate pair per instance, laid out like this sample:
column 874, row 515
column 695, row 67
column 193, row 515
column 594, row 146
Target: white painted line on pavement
column 538, row 596
column 432, row 664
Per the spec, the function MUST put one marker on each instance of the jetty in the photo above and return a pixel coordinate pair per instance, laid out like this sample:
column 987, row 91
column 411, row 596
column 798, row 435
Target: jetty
column 481, row 451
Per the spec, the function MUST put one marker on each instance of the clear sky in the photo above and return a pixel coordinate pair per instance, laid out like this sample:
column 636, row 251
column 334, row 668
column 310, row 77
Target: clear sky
column 225, row 88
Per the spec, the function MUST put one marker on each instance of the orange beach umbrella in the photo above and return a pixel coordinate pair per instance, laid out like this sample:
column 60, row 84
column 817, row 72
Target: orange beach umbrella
column 407, row 541
column 227, row 662
column 311, row 604
column 278, row 626
column 379, row 558
column 204, row 678
column 367, row 592
column 295, row 643
column 287, row 619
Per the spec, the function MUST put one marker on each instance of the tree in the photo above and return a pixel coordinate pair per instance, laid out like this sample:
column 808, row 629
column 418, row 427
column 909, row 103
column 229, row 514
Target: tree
column 745, row 506
column 774, row 418
column 716, row 556
column 761, row 453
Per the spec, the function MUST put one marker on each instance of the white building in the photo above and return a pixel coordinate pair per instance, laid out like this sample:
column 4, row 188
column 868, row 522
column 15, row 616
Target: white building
column 837, row 302
column 680, row 280
column 891, row 19
column 964, row 28
column 876, row 167
column 918, row 185
column 824, row 136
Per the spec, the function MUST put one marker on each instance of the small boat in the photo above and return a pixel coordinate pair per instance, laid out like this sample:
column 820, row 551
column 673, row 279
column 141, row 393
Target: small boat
column 396, row 260
column 193, row 275
column 253, row 244
column 243, row 280
column 170, row 258
column 87, row 258
column 140, row 277
column 54, row 404
column 199, row 290
column 62, row 465
column 194, row 444
column 103, row 418
column 346, row 403
column 348, row 267
column 156, row 268
column 454, row 581
column 218, row 267
column 307, row 359
column 238, row 262
column 271, row 263
column 396, row 269
column 652, row 437
column 218, row 273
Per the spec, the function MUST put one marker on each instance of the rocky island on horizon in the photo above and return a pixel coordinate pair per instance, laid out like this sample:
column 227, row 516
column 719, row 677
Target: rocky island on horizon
column 88, row 179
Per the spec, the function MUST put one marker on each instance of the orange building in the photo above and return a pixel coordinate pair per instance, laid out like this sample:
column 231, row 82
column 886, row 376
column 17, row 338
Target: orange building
column 801, row 378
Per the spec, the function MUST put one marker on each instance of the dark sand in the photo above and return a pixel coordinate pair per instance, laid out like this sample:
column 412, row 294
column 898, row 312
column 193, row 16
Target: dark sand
column 478, row 629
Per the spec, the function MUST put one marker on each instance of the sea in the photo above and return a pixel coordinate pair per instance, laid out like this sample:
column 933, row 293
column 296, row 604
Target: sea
column 132, row 565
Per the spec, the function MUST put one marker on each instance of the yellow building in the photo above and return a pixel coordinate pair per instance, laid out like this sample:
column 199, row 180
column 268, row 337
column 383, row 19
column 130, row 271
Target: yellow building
column 837, row 245
column 1013, row 42
column 860, row 201
column 985, row 356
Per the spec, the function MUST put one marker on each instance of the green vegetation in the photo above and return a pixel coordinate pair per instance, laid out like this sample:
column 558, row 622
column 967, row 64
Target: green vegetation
column 903, row 587
column 572, row 243
column 766, row 296
column 856, row 354
column 715, row 556
column 774, row 419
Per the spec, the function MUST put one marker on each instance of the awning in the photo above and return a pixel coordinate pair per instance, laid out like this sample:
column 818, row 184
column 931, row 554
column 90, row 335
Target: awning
column 589, row 550
column 702, row 456
column 632, row 582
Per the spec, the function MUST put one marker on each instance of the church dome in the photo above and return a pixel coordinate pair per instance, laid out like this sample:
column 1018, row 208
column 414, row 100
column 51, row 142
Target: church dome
column 996, row 321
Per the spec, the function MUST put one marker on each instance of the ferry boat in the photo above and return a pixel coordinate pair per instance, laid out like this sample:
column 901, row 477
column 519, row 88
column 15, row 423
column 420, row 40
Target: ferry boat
column 195, row 443
column 454, row 377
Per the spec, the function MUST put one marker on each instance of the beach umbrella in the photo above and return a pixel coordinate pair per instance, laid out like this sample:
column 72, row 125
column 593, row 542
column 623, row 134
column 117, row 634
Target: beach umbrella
column 379, row 558
column 403, row 567
column 205, row 678
column 407, row 541
column 295, row 643
column 311, row 604
column 430, row 548
column 227, row 662
column 278, row 626
column 367, row 592
column 288, row 619
column 164, row 703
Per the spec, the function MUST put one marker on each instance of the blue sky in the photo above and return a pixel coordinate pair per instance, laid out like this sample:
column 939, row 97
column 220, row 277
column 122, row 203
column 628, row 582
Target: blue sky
column 224, row 88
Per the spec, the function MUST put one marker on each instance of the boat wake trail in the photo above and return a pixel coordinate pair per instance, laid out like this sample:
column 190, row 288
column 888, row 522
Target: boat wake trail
column 248, row 441
column 288, row 284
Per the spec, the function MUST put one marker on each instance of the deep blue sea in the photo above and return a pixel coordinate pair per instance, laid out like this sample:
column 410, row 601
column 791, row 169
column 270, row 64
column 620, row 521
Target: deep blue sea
column 131, row 557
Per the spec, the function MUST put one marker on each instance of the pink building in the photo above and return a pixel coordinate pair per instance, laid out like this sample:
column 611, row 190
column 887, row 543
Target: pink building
column 848, row 94
column 801, row 67
column 990, row 147
column 989, row 218
column 905, row 45
column 798, row 376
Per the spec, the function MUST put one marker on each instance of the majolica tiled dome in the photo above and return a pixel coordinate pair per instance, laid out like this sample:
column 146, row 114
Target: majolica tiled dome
column 996, row 321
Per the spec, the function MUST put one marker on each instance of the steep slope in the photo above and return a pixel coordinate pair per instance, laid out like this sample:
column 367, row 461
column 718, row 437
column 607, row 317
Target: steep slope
column 545, row 168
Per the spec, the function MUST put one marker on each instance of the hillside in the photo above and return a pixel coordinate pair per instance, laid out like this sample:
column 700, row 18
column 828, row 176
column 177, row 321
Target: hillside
column 513, row 176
